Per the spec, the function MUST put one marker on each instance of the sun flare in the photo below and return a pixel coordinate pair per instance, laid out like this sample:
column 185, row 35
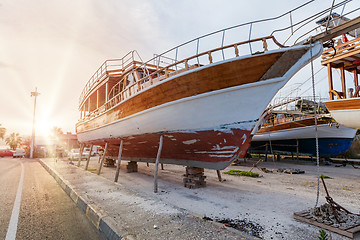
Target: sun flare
column 44, row 126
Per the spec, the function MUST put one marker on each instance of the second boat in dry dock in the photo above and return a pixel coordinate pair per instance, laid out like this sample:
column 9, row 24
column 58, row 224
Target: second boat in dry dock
column 293, row 131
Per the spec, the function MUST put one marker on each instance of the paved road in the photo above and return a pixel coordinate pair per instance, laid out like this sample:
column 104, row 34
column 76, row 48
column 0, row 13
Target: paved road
column 45, row 211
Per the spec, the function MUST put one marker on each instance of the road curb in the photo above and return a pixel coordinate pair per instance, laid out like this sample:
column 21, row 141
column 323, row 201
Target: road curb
column 103, row 223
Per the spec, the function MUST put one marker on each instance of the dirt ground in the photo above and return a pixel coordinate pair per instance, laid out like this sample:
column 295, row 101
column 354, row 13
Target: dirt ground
column 265, row 204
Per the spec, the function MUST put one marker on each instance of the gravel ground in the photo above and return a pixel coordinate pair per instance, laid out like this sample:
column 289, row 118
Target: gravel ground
column 261, row 206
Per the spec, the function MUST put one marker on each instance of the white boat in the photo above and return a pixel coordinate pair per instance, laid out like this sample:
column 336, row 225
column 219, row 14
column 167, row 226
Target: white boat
column 204, row 106
column 295, row 133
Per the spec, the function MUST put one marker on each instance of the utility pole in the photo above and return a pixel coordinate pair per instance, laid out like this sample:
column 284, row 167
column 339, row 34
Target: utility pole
column 33, row 94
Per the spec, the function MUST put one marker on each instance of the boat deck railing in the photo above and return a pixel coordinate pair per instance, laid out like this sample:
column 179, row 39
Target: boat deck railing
column 223, row 44
column 112, row 67
column 342, row 50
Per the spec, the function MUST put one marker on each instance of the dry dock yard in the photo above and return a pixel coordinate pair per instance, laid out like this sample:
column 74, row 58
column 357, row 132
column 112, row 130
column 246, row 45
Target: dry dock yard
column 261, row 207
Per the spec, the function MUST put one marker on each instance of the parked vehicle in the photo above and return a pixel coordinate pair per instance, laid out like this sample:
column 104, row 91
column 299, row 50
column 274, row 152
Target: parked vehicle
column 75, row 154
column 6, row 153
column 93, row 151
column 19, row 153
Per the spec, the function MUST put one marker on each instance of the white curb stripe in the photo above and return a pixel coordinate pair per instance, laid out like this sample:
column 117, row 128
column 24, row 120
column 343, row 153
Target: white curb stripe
column 11, row 232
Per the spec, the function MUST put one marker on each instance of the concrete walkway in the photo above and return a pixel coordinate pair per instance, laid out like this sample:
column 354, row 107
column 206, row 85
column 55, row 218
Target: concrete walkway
column 120, row 213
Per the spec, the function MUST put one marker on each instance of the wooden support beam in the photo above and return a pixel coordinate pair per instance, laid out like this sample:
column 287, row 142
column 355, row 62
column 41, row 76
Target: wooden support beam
column 81, row 152
column 102, row 159
column 157, row 165
column 356, row 79
column 97, row 99
column 297, row 150
column 356, row 83
column 118, row 161
column 107, row 90
column 330, row 79
column 89, row 105
column 88, row 159
column 343, row 84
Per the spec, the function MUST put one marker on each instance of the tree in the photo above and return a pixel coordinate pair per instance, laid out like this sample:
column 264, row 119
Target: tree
column 14, row 140
column 2, row 132
column 56, row 132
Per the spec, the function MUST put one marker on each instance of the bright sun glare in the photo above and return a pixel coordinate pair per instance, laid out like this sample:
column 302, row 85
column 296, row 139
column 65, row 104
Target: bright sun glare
column 43, row 127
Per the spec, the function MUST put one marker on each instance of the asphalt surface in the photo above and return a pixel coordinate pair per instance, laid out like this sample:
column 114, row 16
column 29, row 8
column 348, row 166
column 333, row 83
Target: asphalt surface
column 45, row 212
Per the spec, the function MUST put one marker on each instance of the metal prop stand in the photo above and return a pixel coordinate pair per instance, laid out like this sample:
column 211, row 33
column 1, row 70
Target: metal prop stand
column 102, row 159
column 118, row 161
column 88, row 159
column 157, row 165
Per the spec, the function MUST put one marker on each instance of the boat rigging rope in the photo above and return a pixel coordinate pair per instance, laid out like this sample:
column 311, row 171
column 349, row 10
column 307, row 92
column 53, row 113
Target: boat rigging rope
column 316, row 127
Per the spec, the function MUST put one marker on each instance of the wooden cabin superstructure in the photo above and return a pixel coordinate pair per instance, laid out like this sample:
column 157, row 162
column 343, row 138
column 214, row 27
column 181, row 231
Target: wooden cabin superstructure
column 344, row 104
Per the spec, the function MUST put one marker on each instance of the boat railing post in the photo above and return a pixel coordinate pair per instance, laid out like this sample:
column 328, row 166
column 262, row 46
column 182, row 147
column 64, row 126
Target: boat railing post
column 197, row 51
column 157, row 165
column 222, row 45
column 250, row 38
column 291, row 24
column 88, row 159
column 81, row 152
column 118, row 161
column 176, row 54
column 102, row 159
column 157, row 65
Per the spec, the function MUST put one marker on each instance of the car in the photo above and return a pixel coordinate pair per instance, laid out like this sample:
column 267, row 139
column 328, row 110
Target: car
column 75, row 154
column 93, row 151
column 19, row 153
column 6, row 153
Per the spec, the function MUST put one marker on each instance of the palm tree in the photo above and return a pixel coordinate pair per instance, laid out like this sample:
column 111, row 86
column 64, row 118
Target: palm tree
column 14, row 140
column 56, row 132
column 2, row 132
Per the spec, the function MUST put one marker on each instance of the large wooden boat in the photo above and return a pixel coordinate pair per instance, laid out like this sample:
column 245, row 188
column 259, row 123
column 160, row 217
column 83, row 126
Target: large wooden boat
column 294, row 132
column 205, row 113
column 344, row 104
column 203, row 106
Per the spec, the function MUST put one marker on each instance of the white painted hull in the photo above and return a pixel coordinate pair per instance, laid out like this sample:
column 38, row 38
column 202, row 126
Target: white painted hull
column 345, row 111
column 349, row 118
column 324, row 131
column 219, row 110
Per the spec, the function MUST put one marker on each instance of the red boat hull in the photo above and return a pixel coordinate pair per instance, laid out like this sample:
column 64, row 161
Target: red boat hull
column 204, row 149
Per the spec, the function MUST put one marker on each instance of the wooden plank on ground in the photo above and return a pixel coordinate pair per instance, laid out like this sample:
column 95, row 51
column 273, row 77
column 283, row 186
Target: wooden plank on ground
column 348, row 232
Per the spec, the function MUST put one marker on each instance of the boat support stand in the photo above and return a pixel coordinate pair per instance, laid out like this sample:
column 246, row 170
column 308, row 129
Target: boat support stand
column 157, row 164
column 119, row 161
column 102, row 159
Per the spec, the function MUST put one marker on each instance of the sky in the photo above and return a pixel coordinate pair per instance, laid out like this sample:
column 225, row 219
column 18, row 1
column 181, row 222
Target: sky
column 57, row 45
